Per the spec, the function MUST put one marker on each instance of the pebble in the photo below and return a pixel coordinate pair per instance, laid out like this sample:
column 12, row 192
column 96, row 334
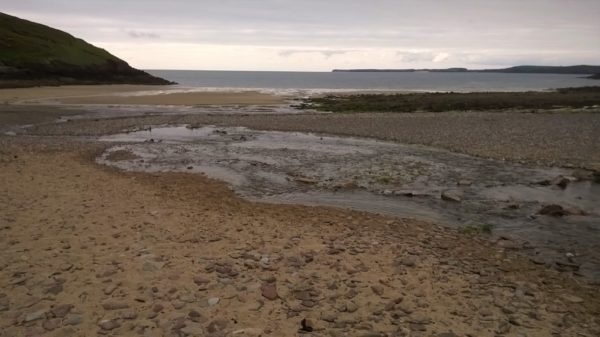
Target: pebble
column 112, row 305
column 61, row 310
column 409, row 261
column 269, row 291
column 73, row 319
column 109, row 324
column 213, row 301
column 377, row 289
column 34, row 316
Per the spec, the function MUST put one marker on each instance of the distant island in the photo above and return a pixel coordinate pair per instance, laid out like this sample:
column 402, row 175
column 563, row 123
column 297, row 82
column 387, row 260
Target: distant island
column 577, row 70
column 32, row 54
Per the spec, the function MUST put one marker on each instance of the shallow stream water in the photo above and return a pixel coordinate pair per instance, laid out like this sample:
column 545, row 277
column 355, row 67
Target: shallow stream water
column 384, row 177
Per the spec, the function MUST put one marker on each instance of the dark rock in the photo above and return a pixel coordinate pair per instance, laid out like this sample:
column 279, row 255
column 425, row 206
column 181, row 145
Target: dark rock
column 216, row 325
column 306, row 325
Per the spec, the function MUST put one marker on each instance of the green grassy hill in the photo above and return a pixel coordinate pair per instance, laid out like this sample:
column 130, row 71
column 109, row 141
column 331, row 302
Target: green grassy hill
column 34, row 54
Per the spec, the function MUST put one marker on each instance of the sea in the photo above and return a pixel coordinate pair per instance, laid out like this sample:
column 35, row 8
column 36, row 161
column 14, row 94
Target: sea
column 279, row 82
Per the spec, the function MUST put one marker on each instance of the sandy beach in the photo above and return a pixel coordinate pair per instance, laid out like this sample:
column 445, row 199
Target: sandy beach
column 133, row 94
column 89, row 249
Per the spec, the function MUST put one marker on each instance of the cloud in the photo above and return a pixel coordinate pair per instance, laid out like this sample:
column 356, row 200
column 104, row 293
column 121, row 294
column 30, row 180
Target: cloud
column 440, row 57
column 142, row 35
column 325, row 53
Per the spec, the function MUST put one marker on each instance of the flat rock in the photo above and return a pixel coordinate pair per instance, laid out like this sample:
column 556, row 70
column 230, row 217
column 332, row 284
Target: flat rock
column 269, row 291
column 114, row 305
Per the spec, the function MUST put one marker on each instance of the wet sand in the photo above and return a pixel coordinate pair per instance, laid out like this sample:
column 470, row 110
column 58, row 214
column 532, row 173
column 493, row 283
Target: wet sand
column 133, row 94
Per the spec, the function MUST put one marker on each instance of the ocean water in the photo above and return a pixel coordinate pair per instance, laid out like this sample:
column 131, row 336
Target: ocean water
column 293, row 82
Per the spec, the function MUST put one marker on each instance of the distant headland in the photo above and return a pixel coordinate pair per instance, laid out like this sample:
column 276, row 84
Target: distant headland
column 577, row 70
column 33, row 54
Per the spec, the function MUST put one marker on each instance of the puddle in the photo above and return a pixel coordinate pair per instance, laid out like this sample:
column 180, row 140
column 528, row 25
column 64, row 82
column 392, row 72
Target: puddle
column 381, row 177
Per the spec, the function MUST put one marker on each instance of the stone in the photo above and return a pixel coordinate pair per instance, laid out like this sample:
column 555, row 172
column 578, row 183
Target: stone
column 216, row 325
column 409, row 261
column 452, row 195
column 73, row 319
column 51, row 324
column 199, row 280
column 377, row 289
column 178, row 304
column 572, row 299
column 113, row 305
column 351, row 307
column 193, row 329
column 213, row 301
column 109, row 324
column 306, row 325
column 61, row 310
column 34, row 316
column 157, row 307
column 129, row 314
column 328, row 316
column 553, row 210
column 269, row 291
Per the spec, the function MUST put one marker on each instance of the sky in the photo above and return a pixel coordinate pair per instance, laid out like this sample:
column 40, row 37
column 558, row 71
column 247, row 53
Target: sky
column 320, row 35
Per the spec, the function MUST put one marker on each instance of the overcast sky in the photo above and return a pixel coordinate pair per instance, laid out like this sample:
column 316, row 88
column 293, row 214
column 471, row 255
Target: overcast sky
column 319, row 35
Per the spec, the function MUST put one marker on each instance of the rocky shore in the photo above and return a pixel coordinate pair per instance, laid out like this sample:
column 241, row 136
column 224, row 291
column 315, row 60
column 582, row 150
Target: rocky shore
column 102, row 252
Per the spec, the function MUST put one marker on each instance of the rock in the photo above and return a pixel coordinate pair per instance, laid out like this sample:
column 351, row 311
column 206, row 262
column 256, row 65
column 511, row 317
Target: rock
column 199, row 280
column 73, row 319
column 110, row 289
column 377, row 289
column 452, row 195
column 4, row 303
column 178, row 304
column 553, row 210
column 34, row 316
column 113, row 305
column 351, row 307
column 306, row 325
column 216, row 325
column 447, row 334
column 328, row 316
column 213, row 301
column 409, row 261
column 54, row 289
column 51, row 324
column 158, row 307
column 572, row 299
column 193, row 329
column 269, row 291
column 109, row 324
column 129, row 314
column 61, row 310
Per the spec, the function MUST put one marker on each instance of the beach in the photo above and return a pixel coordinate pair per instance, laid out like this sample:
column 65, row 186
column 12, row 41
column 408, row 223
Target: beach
column 122, row 94
column 89, row 248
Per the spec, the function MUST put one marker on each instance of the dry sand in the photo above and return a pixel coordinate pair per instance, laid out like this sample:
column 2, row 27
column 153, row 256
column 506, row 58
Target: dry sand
column 87, row 250
column 133, row 94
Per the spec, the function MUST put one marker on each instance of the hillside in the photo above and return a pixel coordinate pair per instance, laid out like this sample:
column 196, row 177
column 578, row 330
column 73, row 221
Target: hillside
column 34, row 54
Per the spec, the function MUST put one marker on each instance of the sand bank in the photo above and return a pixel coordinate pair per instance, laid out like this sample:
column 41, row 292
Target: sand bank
column 133, row 94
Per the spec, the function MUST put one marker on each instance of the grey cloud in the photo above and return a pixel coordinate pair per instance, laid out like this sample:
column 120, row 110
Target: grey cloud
column 142, row 35
column 537, row 28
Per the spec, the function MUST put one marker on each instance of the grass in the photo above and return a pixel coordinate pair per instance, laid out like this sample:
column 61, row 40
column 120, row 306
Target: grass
column 476, row 228
column 24, row 42
column 439, row 102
